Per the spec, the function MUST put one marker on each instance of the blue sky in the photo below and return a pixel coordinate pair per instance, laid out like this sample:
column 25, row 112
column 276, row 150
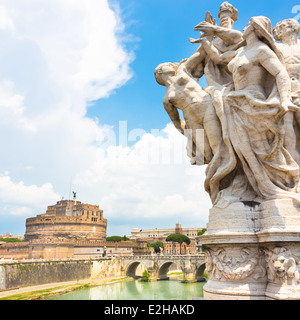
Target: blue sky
column 70, row 72
column 160, row 32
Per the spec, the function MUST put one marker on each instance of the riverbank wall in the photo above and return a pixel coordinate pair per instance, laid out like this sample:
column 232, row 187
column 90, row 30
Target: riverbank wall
column 20, row 274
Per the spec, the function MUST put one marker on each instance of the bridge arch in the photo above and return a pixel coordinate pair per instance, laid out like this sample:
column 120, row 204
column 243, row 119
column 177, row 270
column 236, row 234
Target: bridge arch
column 164, row 269
column 132, row 268
column 192, row 267
column 200, row 272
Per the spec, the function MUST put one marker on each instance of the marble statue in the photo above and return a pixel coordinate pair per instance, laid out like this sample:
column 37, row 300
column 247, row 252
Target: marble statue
column 242, row 111
column 287, row 33
column 250, row 116
column 184, row 93
column 224, row 38
column 161, row 250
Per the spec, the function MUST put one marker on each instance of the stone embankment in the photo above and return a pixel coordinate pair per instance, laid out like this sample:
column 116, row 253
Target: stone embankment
column 27, row 273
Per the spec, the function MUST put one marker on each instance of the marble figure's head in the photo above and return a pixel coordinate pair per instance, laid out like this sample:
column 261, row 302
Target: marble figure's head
column 262, row 27
column 164, row 71
column 286, row 29
column 227, row 15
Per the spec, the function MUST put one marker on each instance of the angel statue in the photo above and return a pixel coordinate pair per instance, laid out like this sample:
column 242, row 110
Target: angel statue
column 245, row 111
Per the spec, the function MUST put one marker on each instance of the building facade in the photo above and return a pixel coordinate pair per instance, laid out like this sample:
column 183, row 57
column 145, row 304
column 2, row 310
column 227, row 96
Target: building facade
column 153, row 235
column 174, row 248
column 69, row 249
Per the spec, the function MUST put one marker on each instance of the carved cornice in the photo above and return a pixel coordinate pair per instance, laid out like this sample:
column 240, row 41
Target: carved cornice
column 63, row 220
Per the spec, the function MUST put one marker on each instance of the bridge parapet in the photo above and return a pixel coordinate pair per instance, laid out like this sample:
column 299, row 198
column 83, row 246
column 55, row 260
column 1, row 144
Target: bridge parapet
column 164, row 257
column 192, row 266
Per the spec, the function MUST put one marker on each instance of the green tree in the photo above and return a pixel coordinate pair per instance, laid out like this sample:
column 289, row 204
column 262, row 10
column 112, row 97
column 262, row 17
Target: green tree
column 179, row 238
column 10, row 240
column 201, row 233
column 145, row 276
column 117, row 239
column 156, row 245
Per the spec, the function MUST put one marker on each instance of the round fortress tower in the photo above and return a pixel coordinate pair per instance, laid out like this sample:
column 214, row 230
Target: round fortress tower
column 68, row 219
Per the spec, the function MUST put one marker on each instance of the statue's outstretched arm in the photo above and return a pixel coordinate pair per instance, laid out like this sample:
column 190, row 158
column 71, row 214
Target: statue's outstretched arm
column 229, row 36
column 215, row 55
column 174, row 116
column 194, row 64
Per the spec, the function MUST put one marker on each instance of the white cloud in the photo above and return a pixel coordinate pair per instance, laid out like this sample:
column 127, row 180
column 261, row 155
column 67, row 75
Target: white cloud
column 19, row 199
column 6, row 21
column 68, row 53
column 12, row 108
column 138, row 185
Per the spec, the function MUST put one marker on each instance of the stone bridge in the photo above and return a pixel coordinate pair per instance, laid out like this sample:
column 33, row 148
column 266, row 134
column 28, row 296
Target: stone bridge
column 192, row 267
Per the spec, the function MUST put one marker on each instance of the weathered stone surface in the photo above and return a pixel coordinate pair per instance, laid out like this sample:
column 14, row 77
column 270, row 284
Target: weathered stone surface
column 33, row 272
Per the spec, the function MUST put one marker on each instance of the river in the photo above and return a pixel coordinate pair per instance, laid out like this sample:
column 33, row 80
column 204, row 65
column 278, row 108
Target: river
column 137, row 290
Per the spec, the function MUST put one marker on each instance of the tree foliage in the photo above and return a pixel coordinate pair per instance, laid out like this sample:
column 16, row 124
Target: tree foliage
column 117, row 239
column 145, row 276
column 10, row 240
column 156, row 245
column 200, row 233
column 179, row 238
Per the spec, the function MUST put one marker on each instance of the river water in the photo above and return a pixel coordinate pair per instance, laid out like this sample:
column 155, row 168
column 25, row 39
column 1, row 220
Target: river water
column 137, row 290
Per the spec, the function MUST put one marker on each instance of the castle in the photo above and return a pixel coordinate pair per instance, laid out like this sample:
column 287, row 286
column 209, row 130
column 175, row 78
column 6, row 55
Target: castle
column 69, row 229
column 70, row 220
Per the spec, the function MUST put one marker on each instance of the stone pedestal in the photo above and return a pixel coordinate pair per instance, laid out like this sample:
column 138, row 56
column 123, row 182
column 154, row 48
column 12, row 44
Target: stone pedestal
column 253, row 251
